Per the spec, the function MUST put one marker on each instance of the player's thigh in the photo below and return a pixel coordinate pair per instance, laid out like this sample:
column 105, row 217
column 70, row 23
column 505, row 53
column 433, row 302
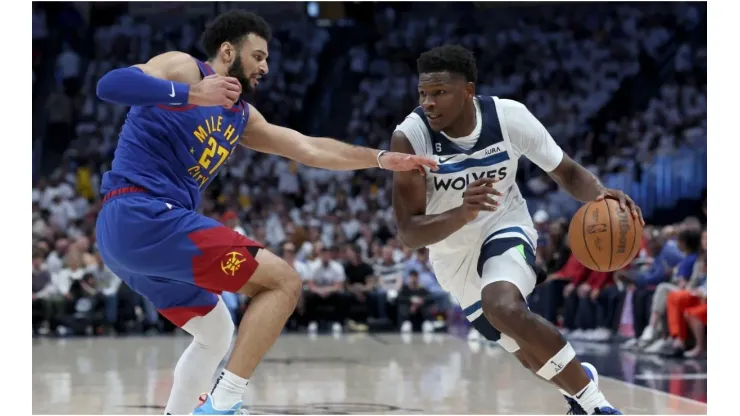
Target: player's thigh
column 509, row 260
column 150, row 238
column 272, row 273
column 177, row 301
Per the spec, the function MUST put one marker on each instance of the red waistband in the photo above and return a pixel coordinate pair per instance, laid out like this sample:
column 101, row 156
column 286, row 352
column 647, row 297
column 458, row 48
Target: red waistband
column 121, row 191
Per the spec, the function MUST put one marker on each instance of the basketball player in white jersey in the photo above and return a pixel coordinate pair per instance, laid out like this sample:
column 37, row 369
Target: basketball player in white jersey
column 473, row 218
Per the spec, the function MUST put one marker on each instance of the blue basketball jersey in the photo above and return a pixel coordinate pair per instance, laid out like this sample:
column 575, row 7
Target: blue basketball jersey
column 174, row 152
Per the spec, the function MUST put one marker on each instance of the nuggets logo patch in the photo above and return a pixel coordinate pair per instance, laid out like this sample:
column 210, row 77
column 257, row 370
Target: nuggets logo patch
column 233, row 260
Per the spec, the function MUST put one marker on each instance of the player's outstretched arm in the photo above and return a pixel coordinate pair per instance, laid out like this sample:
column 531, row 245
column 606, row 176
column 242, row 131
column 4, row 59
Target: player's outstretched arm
column 321, row 152
column 417, row 229
column 171, row 78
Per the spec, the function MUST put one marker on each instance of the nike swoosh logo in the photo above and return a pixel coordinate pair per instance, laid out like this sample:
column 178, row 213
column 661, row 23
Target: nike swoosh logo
column 445, row 160
column 172, row 94
column 578, row 396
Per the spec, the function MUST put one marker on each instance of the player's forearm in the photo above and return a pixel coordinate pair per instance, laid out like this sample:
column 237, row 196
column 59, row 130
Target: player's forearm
column 423, row 230
column 578, row 182
column 132, row 87
column 325, row 153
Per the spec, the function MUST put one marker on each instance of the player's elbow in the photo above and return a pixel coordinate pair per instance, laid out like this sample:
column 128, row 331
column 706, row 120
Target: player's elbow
column 407, row 238
column 307, row 154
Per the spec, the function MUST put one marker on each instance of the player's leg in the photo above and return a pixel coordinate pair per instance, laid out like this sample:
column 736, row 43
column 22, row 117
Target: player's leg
column 147, row 236
column 507, row 278
column 274, row 288
column 212, row 335
column 200, row 313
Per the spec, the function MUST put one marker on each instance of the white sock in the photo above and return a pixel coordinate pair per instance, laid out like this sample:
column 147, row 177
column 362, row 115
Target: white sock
column 229, row 390
column 590, row 398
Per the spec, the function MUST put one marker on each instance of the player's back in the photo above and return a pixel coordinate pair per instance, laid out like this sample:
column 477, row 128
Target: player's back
column 174, row 152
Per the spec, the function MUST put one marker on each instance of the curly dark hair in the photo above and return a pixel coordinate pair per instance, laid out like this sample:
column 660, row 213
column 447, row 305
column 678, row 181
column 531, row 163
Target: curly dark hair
column 451, row 58
column 233, row 26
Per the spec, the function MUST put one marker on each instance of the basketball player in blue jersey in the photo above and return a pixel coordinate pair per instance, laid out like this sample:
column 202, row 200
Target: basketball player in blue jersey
column 186, row 118
column 473, row 218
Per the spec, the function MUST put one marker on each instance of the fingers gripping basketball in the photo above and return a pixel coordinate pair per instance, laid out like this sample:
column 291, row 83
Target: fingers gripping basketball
column 603, row 237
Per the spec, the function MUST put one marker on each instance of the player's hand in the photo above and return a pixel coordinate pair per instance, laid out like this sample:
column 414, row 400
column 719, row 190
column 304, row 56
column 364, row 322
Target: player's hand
column 401, row 162
column 215, row 90
column 625, row 202
column 479, row 197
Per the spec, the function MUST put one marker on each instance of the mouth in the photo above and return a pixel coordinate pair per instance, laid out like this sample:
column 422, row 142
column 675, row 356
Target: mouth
column 256, row 79
column 433, row 118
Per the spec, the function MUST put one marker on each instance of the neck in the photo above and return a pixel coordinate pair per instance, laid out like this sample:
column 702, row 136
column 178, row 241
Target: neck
column 465, row 123
column 218, row 67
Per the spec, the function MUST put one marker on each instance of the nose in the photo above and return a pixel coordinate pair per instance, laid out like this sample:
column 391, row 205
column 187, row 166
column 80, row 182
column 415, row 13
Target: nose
column 265, row 68
column 428, row 103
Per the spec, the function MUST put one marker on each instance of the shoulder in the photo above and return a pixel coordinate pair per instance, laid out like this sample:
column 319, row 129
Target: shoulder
column 174, row 66
column 414, row 130
column 513, row 110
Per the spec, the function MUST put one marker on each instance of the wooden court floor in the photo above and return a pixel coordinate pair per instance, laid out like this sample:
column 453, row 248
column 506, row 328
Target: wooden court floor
column 348, row 374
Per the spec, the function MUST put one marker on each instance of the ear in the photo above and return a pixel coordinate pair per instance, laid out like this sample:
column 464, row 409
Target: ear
column 470, row 89
column 228, row 52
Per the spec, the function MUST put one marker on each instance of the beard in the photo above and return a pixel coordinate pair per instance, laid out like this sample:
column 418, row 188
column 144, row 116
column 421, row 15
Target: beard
column 236, row 70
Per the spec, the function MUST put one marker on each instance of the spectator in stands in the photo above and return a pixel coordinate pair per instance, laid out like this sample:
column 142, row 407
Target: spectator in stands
column 288, row 253
column 107, row 285
column 390, row 279
column 686, row 276
column 552, row 257
column 324, row 291
column 663, row 258
column 697, row 318
column 42, row 289
column 231, row 220
column 413, row 305
column 581, row 295
column 438, row 299
column 360, row 281
column 687, row 307
column 59, row 110
column 83, row 309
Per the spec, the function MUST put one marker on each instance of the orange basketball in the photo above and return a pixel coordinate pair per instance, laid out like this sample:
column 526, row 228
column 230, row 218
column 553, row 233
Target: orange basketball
column 603, row 237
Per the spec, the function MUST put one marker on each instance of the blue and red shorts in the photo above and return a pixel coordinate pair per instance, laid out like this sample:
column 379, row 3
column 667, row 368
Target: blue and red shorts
column 178, row 259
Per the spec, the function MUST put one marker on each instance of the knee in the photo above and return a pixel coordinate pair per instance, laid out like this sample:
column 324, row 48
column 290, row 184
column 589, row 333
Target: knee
column 215, row 330
column 500, row 309
column 292, row 285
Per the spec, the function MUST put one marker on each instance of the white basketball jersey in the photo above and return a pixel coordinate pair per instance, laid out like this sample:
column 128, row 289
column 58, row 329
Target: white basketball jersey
column 488, row 152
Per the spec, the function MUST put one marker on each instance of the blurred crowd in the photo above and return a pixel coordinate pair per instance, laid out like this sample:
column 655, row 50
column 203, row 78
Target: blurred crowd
column 658, row 302
column 337, row 228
